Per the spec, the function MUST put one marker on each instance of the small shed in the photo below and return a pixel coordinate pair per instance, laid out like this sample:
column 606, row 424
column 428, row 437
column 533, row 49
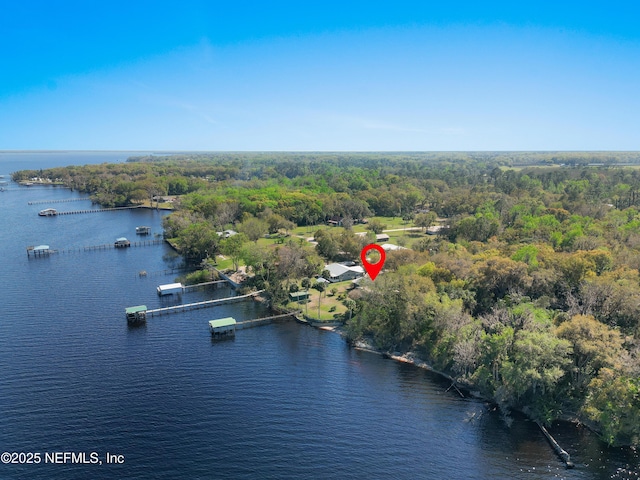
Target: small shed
column 382, row 237
column 299, row 296
column 169, row 289
column 136, row 314
column 222, row 327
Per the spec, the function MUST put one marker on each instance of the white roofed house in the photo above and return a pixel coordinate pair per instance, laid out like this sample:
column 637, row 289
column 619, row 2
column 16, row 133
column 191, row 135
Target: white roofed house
column 341, row 273
column 227, row 233
column 390, row 247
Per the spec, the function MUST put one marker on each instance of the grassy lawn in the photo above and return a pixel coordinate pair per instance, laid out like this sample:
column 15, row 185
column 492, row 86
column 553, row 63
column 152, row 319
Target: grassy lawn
column 390, row 222
column 326, row 303
column 162, row 205
column 307, row 231
column 223, row 264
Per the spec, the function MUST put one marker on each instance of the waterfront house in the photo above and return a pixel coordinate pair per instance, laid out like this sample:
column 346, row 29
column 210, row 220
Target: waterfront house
column 341, row 273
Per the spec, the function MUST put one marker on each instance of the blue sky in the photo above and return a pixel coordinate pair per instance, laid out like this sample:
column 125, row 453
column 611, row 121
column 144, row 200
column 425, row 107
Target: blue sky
column 307, row 75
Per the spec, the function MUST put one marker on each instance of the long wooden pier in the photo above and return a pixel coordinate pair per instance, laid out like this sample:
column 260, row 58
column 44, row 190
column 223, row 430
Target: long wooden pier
column 257, row 322
column 99, row 210
column 186, row 288
column 185, row 307
column 60, row 200
column 106, row 246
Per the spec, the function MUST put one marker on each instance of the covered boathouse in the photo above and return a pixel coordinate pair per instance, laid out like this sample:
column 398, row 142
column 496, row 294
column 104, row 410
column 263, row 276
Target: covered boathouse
column 170, row 289
column 222, row 327
column 137, row 314
column 39, row 250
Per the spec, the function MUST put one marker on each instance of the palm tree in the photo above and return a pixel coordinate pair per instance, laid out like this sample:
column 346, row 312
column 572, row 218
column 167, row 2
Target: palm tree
column 319, row 286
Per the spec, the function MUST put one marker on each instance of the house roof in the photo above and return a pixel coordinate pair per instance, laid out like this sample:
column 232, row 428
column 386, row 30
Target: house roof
column 388, row 247
column 335, row 269
column 299, row 294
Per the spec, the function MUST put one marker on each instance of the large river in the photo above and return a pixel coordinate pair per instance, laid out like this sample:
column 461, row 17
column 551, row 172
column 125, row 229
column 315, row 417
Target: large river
column 278, row 401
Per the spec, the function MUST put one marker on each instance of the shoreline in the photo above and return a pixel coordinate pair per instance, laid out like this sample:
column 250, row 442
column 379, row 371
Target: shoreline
column 412, row 359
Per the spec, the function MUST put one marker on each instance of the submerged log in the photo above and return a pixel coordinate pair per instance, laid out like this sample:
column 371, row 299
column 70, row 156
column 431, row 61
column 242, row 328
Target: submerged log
column 564, row 456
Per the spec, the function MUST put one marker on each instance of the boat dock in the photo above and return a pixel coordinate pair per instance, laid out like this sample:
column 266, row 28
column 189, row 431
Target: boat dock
column 186, row 288
column 74, row 212
column 39, row 250
column 257, row 322
column 107, row 246
column 185, row 307
column 62, row 200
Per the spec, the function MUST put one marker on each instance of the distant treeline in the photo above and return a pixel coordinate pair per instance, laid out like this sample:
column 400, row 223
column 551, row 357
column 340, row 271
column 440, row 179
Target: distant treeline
column 504, row 158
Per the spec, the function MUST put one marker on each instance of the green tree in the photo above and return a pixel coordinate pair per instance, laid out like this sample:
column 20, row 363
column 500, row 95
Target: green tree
column 253, row 228
column 376, row 226
column 535, row 365
column 233, row 247
column 327, row 244
column 595, row 346
column 198, row 241
column 425, row 220
column 614, row 403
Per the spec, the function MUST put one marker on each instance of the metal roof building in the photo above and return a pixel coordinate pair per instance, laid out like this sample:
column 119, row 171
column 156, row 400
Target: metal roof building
column 222, row 326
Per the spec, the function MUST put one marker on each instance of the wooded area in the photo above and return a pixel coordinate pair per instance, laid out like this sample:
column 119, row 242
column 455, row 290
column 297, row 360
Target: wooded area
column 530, row 293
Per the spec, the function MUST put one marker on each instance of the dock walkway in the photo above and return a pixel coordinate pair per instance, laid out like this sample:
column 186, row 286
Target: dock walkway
column 257, row 322
column 185, row 307
column 106, row 246
column 60, row 200
column 186, row 288
column 114, row 209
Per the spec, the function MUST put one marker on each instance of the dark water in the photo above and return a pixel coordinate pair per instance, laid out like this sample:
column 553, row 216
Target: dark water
column 279, row 401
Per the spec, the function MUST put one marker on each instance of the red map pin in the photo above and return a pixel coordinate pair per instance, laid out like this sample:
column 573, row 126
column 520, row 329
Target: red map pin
column 373, row 269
